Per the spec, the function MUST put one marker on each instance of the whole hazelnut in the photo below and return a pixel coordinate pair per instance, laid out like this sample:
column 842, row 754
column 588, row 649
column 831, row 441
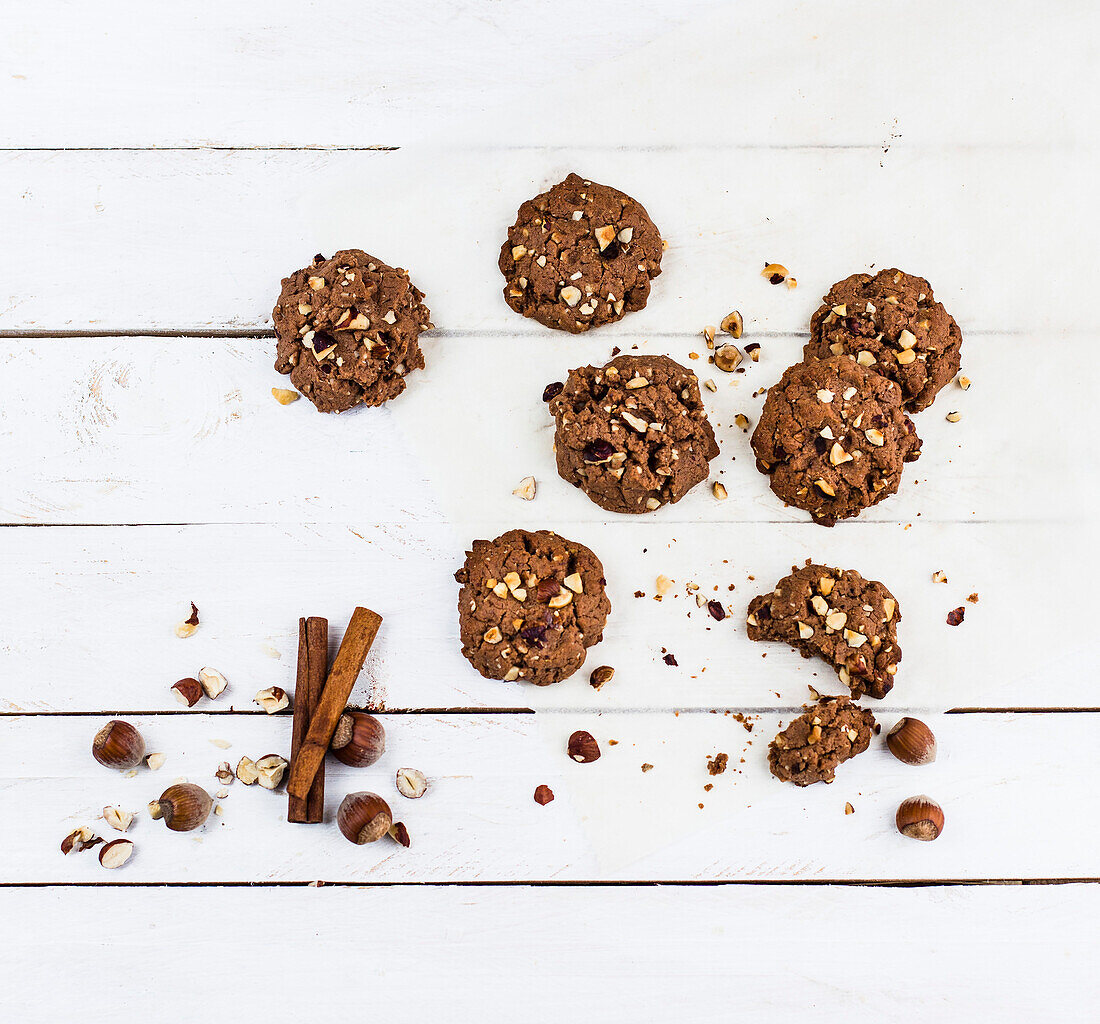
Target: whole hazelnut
column 920, row 817
column 118, row 745
column 183, row 807
column 359, row 739
column 364, row 818
column 912, row 742
column 583, row 747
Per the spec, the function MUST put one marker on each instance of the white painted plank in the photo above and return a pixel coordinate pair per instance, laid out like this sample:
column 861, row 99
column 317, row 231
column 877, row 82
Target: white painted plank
column 263, row 73
column 548, row 955
column 189, row 241
column 144, row 430
column 89, row 614
column 609, row 821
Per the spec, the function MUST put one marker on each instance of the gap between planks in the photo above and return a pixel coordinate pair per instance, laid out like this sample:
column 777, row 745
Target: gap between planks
column 583, row 710
column 550, row 883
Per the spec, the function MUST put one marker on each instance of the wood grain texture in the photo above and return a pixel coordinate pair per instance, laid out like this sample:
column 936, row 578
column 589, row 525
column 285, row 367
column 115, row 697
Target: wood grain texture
column 121, row 590
column 187, row 241
column 954, row 953
column 609, row 820
column 698, row 71
column 185, row 430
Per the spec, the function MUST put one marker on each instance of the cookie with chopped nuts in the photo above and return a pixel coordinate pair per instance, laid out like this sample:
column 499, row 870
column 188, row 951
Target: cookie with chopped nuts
column 827, row 735
column 579, row 256
column 833, row 438
column 347, row 330
column 891, row 323
column 633, row 434
column 837, row 615
column 531, row 605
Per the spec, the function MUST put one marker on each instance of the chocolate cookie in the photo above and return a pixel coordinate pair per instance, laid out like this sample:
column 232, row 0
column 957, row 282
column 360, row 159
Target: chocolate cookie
column 836, row 614
column 833, row 438
column 531, row 605
column 579, row 256
column 811, row 747
column 347, row 330
column 633, row 434
column 892, row 323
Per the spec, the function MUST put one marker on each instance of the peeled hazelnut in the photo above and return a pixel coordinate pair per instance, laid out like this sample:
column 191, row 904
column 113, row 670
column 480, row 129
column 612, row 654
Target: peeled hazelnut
column 776, row 273
column 78, row 840
column 359, row 739
column 183, row 807
column 411, row 783
column 189, row 625
column 400, row 834
column 283, row 396
column 912, row 742
column 213, row 682
column 156, row 761
column 920, row 817
column 583, row 747
column 364, row 818
column 118, row 745
column 273, row 699
column 224, row 774
column 247, row 771
column 116, row 853
column 188, row 691
column 270, row 770
column 117, row 818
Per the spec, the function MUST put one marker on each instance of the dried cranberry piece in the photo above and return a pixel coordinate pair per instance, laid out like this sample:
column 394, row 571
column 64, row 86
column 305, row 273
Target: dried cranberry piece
column 552, row 390
column 598, row 451
column 716, row 610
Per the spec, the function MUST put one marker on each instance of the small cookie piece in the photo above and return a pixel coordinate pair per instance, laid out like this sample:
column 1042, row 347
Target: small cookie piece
column 579, row 256
column 633, row 434
column 828, row 734
column 531, row 605
column 347, row 330
column 836, row 614
column 833, row 438
column 892, row 323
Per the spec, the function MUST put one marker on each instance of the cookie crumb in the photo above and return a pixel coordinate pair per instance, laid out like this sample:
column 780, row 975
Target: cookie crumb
column 543, row 795
column 849, row 809
column 956, row 615
column 647, row 767
column 717, row 765
column 973, row 598
column 670, row 659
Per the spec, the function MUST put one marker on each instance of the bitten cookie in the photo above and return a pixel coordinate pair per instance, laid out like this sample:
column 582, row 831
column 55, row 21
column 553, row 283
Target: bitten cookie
column 828, row 734
column 833, row 438
column 579, row 256
column 836, row 614
column 347, row 330
column 891, row 323
column 633, row 434
column 531, row 605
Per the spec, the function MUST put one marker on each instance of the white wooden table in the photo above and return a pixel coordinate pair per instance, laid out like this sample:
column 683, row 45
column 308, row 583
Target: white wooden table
column 163, row 166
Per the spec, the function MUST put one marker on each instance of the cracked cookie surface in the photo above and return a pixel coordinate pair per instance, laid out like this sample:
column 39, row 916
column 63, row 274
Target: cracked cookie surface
column 827, row 735
column 531, row 605
column 347, row 330
column 892, row 324
column 579, row 256
column 633, row 434
column 833, row 438
column 836, row 615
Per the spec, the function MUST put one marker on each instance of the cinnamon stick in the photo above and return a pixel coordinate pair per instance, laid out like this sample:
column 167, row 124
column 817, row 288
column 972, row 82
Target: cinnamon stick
column 312, row 668
column 346, row 667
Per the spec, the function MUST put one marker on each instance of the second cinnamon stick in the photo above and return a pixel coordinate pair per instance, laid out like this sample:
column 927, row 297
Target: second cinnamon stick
column 346, row 667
